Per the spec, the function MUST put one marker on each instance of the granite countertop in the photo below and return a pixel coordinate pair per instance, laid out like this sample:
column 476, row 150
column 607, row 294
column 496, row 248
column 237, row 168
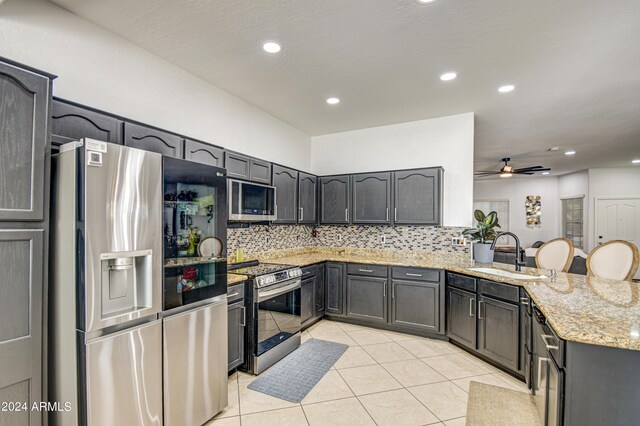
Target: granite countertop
column 579, row 308
column 235, row 279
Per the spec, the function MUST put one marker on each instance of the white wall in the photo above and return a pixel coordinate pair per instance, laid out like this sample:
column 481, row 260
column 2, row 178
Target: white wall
column 574, row 185
column 611, row 183
column 516, row 191
column 446, row 142
column 102, row 70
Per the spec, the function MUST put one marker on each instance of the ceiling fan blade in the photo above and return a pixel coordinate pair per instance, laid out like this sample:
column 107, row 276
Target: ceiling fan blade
column 527, row 169
column 486, row 173
column 524, row 173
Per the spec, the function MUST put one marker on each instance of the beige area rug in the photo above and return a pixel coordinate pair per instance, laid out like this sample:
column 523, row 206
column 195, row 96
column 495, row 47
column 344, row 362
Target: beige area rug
column 493, row 406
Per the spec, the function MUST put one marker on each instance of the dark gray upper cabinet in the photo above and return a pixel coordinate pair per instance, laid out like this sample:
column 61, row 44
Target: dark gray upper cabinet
column 286, row 182
column 203, row 153
column 499, row 331
column 334, row 301
column 335, row 197
column 71, row 123
column 24, row 130
column 307, row 198
column 371, row 198
column 416, row 304
column 246, row 168
column 367, row 298
column 149, row 139
column 418, row 197
column 461, row 317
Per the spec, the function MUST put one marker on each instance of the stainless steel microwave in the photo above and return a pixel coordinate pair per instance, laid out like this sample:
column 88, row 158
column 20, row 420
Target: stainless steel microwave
column 251, row 202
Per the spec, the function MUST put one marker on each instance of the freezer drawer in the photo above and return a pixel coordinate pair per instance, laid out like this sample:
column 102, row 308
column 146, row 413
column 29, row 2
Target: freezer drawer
column 124, row 377
column 195, row 365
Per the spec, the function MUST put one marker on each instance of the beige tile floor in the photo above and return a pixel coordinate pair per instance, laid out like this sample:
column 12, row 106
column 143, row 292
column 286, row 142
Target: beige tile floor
column 384, row 378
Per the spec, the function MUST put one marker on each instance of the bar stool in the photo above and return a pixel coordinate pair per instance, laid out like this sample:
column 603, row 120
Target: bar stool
column 555, row 254
column 615, row 260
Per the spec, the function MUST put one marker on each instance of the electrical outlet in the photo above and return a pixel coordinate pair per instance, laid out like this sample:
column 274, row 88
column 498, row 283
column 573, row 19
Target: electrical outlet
column 383, row 239
column 458, row 241
column 339, row 237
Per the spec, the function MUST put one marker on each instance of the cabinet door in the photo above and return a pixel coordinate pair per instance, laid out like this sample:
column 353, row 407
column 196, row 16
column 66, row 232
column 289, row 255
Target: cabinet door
column 21, row 293
column 461, row 316
column 320, row 286
column 24, row 98
column 499, row 331
column 203, row 153
column 71, row 123
column 260, row 171
column 367, row 298
column 307, row 198
column 238, row 166
column 417, row 197
column 307, row 305
column 153, row 140
column 416, row 304
column 334, row 199
column 286, row 182
column 236, row 324
column 335, row 288
column 371, row 198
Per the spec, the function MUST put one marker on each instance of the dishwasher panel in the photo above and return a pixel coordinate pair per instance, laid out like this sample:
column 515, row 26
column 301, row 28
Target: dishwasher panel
column 195, row 364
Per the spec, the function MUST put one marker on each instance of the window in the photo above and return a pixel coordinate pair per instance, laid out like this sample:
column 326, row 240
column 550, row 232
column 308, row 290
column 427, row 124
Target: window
column 500, row 207
column 572, row 220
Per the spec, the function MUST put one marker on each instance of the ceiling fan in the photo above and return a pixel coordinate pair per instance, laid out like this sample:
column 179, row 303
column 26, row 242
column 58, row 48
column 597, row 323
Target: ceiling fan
column 508, row 171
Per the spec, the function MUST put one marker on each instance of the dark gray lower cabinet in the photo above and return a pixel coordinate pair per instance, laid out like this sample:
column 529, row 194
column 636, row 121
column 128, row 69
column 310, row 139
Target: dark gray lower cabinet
column 499, row 331
column 416, row 304
column 367, row 298
column 307, row 294
column 236, row 326
column 320, row 291
column 334, row 301
column 461, row 317
column 203, row 153
column 142, row 137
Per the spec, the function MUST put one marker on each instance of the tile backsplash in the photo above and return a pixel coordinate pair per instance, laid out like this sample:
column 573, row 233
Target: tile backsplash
column 261, row 238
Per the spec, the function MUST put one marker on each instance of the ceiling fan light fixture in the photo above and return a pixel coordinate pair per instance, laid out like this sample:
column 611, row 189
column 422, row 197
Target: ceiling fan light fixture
column 506, row 175
column 545, row 173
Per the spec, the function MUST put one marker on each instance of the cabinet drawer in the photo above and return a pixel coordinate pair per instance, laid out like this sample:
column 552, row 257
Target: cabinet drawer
column 416, row 274
column 367, row 270
column 235, row 292
column 461, row 281
column 309, row 271
column 500, row 291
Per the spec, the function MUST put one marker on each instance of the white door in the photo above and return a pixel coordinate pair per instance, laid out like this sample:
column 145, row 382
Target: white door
column 618, row 219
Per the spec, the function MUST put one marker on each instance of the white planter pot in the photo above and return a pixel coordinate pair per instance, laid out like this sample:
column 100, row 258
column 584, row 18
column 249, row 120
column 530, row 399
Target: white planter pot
column 482, row 253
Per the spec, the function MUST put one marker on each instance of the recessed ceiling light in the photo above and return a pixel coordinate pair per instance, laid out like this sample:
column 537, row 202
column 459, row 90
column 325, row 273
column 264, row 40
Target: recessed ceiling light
column 425, row 1
column 506, row 88
column 271, row 47
column 636, row 161
column 570, row 153
column 333, row 101
column 554, row 148
column 447, row 76
column 545, row 173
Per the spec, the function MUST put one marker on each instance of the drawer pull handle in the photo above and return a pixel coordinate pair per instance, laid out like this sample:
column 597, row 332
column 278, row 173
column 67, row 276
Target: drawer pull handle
column 233, row 294
column 413, row 275
column 524, row 300
column 549, row 347
column 365, row 270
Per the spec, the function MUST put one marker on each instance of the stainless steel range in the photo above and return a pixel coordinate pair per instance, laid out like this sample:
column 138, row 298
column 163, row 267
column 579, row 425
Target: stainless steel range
column 274, row 313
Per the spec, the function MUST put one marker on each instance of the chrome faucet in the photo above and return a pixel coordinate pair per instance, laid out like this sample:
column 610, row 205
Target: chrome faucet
column 519, row 263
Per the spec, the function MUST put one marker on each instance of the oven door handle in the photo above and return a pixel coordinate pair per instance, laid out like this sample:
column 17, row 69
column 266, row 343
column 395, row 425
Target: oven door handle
column 266, row 294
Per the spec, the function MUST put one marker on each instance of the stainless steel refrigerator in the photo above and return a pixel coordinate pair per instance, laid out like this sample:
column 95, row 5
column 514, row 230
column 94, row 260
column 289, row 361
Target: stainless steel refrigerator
column 105, row 353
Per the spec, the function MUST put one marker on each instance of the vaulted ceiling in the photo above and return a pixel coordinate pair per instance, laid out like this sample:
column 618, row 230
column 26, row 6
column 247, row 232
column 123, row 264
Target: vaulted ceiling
column 575, row 65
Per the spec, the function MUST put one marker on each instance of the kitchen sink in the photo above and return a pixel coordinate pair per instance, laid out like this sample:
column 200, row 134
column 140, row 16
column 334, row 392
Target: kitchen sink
column 508, row 274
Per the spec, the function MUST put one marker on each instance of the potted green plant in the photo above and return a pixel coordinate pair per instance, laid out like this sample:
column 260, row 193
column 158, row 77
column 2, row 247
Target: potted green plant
column 483, row 235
